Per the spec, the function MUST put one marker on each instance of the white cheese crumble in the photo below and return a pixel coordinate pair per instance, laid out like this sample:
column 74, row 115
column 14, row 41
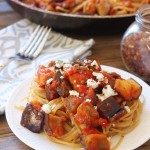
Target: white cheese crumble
column 94, row 64
column 88, row 100
column 61, row 77
column 46, row 108
column 127, row 108
column 106, row 92
column 98, row 76
column 85, row 61
column 59, row 63
column 74, row 93
column 92, row 83
column 49, row 80
column 78, row 85
column 101, row 96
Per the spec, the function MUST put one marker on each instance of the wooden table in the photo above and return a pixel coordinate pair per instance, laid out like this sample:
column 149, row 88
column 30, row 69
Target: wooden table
column 106, row 49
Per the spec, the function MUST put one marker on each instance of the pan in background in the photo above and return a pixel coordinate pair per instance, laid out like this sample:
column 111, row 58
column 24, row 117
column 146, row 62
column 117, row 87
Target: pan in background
column 61, row 21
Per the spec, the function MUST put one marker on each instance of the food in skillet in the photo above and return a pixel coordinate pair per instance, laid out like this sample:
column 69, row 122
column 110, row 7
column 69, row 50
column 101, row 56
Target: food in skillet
column 80, row 105
column 89, row 7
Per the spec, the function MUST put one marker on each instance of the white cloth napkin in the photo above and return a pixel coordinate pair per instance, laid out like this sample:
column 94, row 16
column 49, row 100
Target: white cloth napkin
column 57, row 47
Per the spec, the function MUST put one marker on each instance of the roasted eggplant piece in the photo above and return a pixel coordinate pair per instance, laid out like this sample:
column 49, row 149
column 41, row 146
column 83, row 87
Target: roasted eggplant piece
column 71, row 103
column 136, row 87
column 86, row 115
column 128, row 89
column 32, row 119
column 95, row 142
column 63, row 87
column 50, row 89
column 53, row 125
column 110, row 109
column 58, row 86
column 89, row 63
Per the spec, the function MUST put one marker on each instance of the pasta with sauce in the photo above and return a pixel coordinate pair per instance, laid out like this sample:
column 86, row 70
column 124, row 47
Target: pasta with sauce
column 81, row 105
column 89, row 7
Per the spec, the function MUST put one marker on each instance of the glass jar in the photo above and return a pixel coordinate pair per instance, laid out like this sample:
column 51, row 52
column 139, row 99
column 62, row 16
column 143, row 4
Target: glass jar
column 135, row 45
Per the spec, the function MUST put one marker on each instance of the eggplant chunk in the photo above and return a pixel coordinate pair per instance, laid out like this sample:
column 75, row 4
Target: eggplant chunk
column 137, row 88
column 53, row 125
column 63, row 88
column 51, row 92
column 32, row 119
column 95, row 142
column 109, row 108
column 71, row 103
column 59, row 86
column 128, row 89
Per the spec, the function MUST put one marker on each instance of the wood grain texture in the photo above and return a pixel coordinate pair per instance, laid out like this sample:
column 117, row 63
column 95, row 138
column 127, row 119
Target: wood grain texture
column 106, row 49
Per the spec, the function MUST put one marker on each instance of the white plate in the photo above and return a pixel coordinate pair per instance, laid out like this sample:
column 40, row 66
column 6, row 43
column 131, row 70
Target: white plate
column 40, row 141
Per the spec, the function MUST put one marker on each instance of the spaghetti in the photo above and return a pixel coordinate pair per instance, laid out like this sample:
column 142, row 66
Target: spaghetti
column 89, row 7
column 89, row 113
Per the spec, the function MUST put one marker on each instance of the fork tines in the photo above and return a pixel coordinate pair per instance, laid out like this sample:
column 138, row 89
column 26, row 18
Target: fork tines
column 35, row 43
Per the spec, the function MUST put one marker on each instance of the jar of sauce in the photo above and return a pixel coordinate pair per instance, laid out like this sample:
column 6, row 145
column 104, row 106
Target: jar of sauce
column 135, row 45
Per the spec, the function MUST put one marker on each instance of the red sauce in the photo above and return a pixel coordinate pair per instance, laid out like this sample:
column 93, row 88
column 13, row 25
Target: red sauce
column 103, row 122
column 87, row 131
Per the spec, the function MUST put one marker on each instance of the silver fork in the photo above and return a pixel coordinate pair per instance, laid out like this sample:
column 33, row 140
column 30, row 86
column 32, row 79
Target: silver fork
column 32, row 48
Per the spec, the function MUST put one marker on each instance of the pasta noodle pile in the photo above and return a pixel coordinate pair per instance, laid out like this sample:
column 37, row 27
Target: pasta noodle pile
column 81, row 105
column 89, row 7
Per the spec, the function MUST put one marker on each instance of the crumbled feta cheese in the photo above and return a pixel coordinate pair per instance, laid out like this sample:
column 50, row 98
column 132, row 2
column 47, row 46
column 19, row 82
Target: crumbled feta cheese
column 78, row 85
column 61, row 77
column 108, row 91
column 94, row 64
column 49, row 80
column 98, row 76
column 85, row 61
column 46, row 108
column 59, row 63
column 101, row 96
column 127, row 108
column 74, row 93
column 88, row 100
column 74, row 81
column 92, row 83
